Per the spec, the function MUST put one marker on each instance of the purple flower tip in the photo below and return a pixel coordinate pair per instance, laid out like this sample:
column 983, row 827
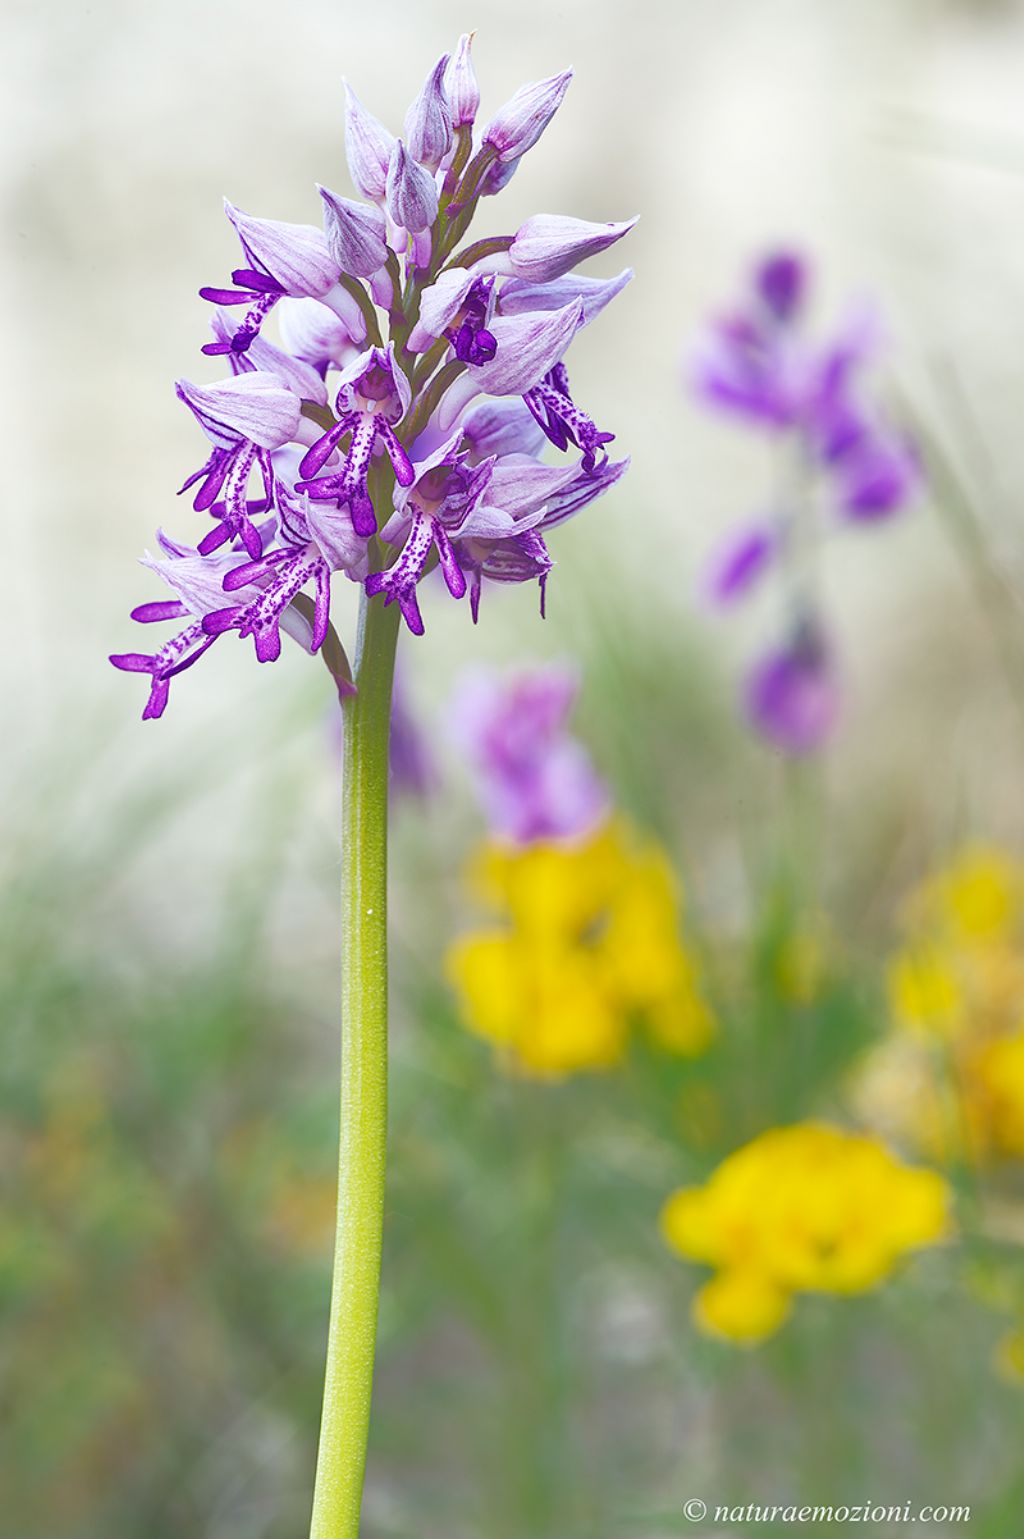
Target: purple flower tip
column 781, row 281
column 792, row 697
column 534, row 780
column 738, row 563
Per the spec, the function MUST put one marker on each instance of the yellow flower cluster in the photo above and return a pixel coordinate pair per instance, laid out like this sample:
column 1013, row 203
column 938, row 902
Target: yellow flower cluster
column 807, row 1208
column 586, row 942
column 952, row 1073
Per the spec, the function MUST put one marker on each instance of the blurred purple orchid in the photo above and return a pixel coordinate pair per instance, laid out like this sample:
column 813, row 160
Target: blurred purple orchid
column 410, row 758
column 756, row 363
column 395, row 423
column 791, row 694
column 845, row 457
column 534, row 781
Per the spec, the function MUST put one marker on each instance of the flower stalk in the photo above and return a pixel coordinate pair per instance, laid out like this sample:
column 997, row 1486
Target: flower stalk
column 422, row 454
column 355, row 1291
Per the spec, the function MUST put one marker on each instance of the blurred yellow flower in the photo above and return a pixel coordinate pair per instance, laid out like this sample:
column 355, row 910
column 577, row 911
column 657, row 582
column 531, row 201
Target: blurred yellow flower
column 587, row 941
column 807, row 1208
column 997, row 1090
column 802, row 963
column 924, row 990
column 977, row 899
column 951, row 1075
column 1009, row 1355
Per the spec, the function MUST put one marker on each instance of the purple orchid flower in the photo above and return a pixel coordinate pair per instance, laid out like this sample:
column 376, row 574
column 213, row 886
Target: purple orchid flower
column 760, row 365
column 461, row 84
column 346, row 439
column 372, row 396
column 458, row 306
column 245, row 417
column 791, row 694
column 314, row 334
column 522, row 120
column 534, row 781
column 740, row 561
column 284, row 259
column 411, row 763
column 563, row 422
column 268, row 585
column 460, row 510
column 197, row 580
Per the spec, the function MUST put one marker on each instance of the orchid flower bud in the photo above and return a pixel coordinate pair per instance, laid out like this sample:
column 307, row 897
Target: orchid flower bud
column 368, row 148
column 428, row 123
column 257, row 408
column 411, row 192
column 519, row 294
column 356, row 234
column 548, row 245
column 524, row 117
column 294, row 255
column 463, row 91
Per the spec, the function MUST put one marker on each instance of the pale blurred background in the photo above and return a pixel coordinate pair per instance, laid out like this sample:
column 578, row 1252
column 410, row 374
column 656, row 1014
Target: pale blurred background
column 886, row 140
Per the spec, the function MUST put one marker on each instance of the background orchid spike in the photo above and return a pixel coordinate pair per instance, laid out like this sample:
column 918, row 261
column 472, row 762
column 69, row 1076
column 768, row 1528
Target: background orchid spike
column 533, row 779
column 842, row 462
column 444, row 361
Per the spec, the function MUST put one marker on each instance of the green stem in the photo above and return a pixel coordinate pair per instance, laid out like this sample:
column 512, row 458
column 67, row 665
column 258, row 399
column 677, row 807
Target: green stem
column 344, row 1427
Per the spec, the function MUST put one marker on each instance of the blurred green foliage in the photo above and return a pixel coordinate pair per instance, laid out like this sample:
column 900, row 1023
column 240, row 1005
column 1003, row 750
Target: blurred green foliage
column 168, row 1141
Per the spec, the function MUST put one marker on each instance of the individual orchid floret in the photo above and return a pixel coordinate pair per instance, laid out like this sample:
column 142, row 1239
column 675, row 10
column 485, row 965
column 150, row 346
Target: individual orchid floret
column 181, row 652
column 527, row 348
column 791, row 695
column 356, row 234
column 463, row 511
column 197, row 582
column 534, row 781
column 411, row 768
column 740, row 560
column 519, row 294
column 565, row 423
column 781, row 281
column 314, row 334
column 244, row 417
column 744, row 369
column 368, row 148
column 291, row 259
column 295, row 255
column 504, row 539
column 373, row 395
column 428, row 123
column 524, row 117
column 301, row 378
column 875, row 470
column 437, row 503
column 505, row 425
column 548, row 246
column 459, row 306
column 878, row 476
column 461, row 84
column 279, row 577
column 411, row 192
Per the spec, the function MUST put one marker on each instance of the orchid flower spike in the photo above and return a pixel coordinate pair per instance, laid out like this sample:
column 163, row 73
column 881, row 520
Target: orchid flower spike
column 395, row 397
